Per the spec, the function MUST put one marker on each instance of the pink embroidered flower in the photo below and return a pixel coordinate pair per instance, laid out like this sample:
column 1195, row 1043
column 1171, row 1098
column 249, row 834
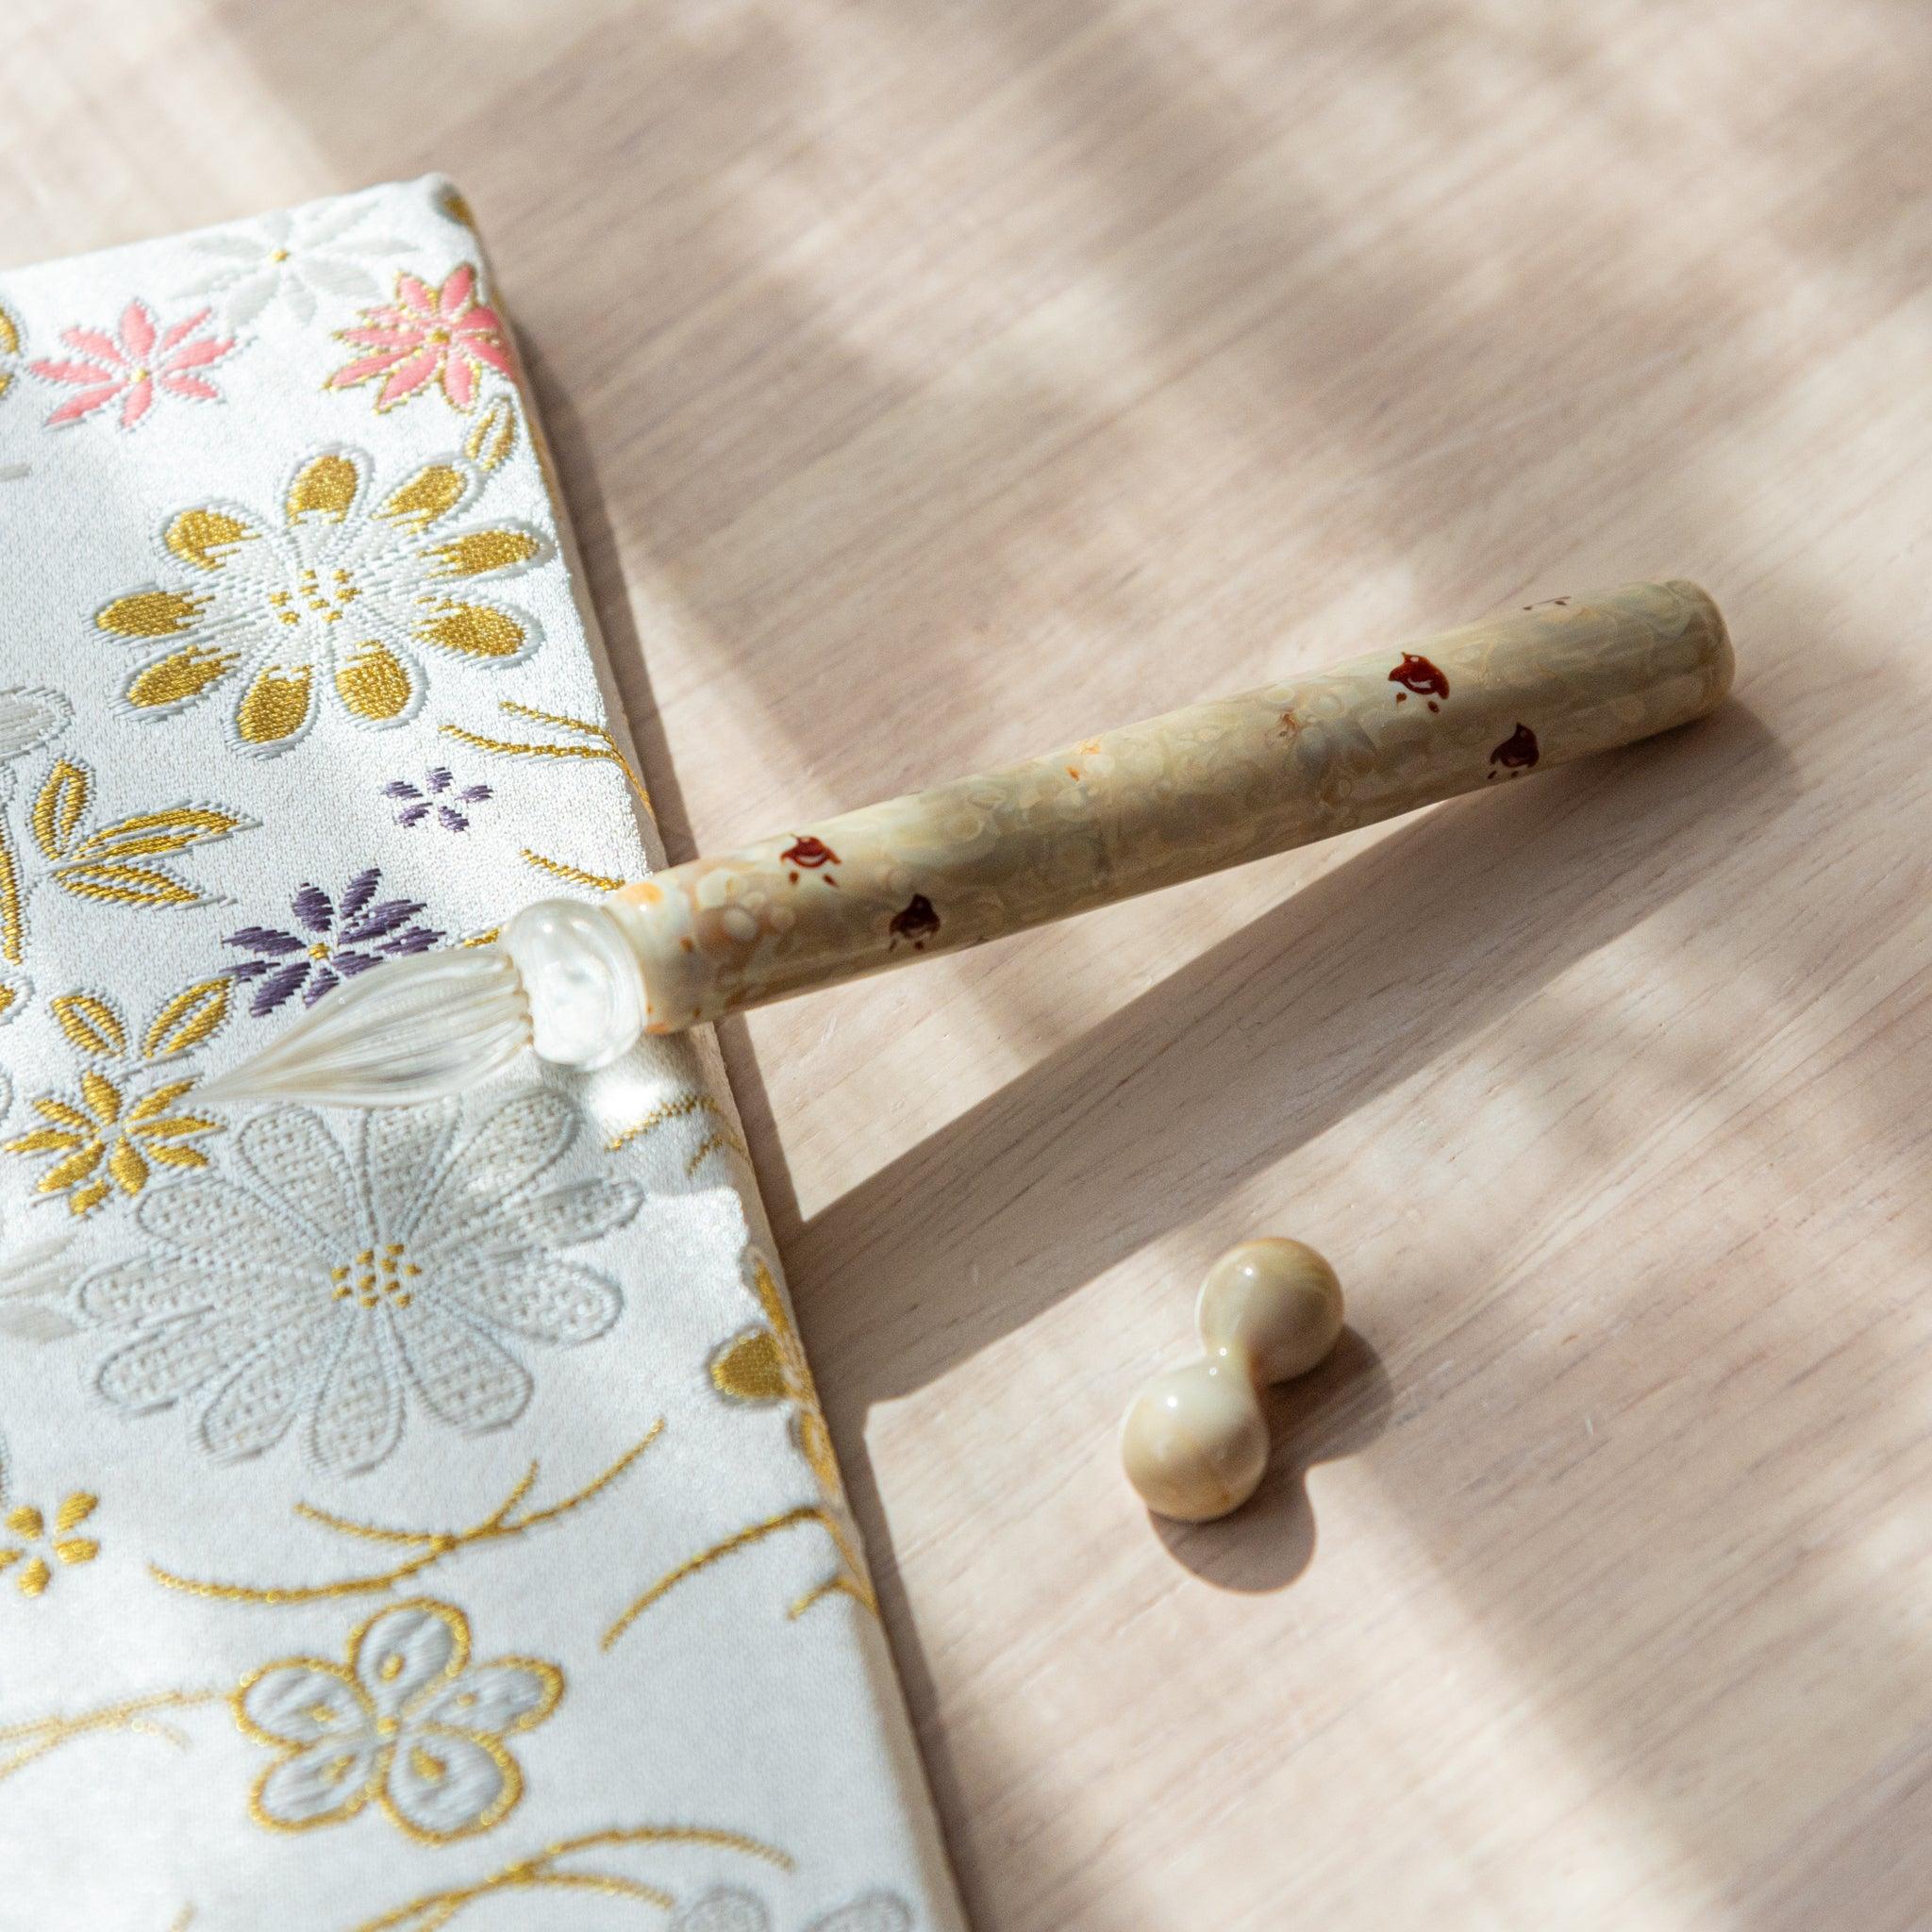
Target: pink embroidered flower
column 445, row 333
column 135, row 366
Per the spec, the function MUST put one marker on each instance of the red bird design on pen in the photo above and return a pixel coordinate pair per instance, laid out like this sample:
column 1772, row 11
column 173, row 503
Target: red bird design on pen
column 1517, row 752
column 1418, row 675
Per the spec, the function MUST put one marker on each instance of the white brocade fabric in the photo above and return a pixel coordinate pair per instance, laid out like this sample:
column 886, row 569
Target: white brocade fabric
column 411, row 1520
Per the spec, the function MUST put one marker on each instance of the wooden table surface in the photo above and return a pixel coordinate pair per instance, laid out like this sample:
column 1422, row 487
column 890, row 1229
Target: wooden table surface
column 934, row 383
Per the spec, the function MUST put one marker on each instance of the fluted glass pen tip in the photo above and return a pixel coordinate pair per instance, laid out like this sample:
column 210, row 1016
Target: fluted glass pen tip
column 412, row 1029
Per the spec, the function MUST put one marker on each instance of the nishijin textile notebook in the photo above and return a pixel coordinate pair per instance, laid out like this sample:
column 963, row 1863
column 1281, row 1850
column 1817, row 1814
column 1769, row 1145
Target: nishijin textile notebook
column 413, row 1519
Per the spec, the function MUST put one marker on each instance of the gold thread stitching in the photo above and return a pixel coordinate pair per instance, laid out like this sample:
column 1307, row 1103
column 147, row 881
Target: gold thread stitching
column 598, row 881
column 36, row 1736
column 741, row 1377
column 436, row 1909
column 430, row 1546
column 670, row 1110
column 117, row 1134
column 98, row 864
column 67, row 1550
column 739, row 1540
column 12, row 927
column 711, row 1143
column 604, row 751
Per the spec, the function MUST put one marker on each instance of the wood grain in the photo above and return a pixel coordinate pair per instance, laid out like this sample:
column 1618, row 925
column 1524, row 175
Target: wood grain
column 934, row 384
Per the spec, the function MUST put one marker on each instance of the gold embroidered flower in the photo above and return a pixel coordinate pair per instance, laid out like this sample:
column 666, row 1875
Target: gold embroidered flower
column 336, row 593
column 30, row 1526
column 409, row 1722
column 120, row 1125
column 766, row 1365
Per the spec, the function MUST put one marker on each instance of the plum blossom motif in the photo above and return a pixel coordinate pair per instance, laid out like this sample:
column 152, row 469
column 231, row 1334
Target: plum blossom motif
column 436, row 793
column 136, row 365
column 333, row 941
column 39, row 1541
column 408, row 1720
column 30, row 1546
column 290, row 258
column 426, row 333
column 345, row 1289
column 339, row 588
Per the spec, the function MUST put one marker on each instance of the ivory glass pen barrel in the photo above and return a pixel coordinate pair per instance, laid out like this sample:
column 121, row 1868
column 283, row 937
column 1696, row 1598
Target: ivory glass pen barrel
column 1181, row 795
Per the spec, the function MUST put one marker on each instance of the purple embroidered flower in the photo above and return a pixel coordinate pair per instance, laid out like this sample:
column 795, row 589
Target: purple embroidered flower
column 332, row 940
column 439, row 798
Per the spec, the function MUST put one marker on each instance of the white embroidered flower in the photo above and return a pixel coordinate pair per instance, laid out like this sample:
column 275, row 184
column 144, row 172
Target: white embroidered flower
column 408, row 1720
column 291, row 258
column 730, row 1911
column 335, row 589
column 341, row 1288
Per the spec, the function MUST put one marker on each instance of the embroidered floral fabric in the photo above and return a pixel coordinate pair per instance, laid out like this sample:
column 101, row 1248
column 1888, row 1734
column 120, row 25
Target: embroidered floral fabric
column 413, row 1519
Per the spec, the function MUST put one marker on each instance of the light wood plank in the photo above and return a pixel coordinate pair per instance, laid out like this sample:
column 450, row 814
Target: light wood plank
column 933, row 384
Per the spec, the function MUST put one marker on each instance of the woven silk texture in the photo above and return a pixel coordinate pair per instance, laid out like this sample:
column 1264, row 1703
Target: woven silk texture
column 413, row 1519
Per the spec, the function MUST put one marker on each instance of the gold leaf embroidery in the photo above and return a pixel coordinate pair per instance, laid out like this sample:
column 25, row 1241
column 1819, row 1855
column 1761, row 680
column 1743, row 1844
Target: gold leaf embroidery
column 185, row 1022
column 326, row 485
column 273, row 706
column 175, row 679
column 427, row 1547
column 750, row 1369
column 90, row 1024
column 201, row 538
column 126, row 885
column 63, row 800
column 99, row 864
column 150, row 834
column 166, row 1096
column 102, row 1097
column 493, row 435
column 372, row 683
column 478, row 630
column 12, row 923
column 150, row 613
column 433, row 491
column 436, row 1909
column 478, row 550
